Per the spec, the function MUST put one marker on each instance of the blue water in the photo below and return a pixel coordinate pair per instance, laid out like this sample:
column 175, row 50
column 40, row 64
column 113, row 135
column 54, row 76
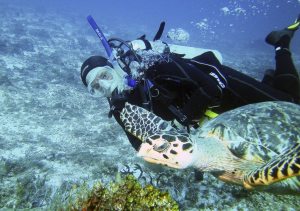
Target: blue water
column 246, row 23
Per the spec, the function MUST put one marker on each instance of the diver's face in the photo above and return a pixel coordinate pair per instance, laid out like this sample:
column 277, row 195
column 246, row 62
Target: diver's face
column 100, row 82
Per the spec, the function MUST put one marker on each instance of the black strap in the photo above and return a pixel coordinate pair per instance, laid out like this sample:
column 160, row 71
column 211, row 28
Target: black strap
column 167, row 98
column 146, row 103
column 146, row 42
column 182, row 70
column 180, row 116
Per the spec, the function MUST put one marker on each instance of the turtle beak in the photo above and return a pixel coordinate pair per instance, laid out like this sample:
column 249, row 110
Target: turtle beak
column 155, row 161
column 144, row 150
column 147, row 152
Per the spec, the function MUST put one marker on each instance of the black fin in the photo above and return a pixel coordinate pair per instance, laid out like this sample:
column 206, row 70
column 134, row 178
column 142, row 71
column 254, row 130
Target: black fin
column 160, row 31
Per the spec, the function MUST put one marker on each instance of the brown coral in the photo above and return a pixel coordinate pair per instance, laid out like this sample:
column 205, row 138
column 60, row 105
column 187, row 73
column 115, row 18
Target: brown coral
column 127, row 194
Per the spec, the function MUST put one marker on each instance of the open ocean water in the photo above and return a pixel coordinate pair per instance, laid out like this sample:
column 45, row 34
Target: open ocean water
column 53, row 134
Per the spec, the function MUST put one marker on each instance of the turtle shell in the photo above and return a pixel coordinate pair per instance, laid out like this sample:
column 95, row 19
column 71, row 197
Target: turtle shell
column 258, row 132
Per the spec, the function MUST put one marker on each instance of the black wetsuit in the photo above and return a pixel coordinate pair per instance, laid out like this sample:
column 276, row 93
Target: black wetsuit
column 185, row 88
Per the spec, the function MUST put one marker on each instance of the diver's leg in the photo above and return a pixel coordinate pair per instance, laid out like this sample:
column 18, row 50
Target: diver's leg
column 286, row 77
column 268, row 77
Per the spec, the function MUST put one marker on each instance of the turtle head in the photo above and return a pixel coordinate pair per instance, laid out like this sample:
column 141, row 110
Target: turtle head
column 171, row 149
column 160, row 142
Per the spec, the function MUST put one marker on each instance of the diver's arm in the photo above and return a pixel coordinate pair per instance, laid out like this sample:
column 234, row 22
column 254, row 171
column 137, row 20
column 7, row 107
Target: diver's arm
column 196, row 106
column 132, row 139
column 117, row 103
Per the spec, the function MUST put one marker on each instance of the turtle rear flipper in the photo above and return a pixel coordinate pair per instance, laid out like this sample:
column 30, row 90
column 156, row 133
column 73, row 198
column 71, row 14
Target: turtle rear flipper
column 284, row 166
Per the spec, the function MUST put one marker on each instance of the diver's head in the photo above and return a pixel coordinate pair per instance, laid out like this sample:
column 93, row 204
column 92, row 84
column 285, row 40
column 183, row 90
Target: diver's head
column 101, row 79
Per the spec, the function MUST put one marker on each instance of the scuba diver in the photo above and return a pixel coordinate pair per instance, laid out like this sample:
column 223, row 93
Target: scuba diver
column 180, row 87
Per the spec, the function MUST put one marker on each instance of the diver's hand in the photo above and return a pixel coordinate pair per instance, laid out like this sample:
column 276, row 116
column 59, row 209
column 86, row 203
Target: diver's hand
column 118, row 100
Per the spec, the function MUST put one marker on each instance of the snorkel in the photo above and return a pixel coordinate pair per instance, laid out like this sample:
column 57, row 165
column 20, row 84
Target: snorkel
column 100, row 34
column 109, row 51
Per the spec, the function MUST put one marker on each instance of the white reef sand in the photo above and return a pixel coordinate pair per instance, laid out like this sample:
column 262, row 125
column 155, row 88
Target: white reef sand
column 53, row 134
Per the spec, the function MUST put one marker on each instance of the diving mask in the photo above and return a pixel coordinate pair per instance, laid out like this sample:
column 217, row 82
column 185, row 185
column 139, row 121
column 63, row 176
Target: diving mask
column 102, row 81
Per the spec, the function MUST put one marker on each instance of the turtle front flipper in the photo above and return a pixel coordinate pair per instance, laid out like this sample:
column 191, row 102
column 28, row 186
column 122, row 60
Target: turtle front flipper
column 142, row 123
column 282, row 167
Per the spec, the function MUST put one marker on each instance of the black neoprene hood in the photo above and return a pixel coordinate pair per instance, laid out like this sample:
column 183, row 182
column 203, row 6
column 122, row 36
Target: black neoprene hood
column 90, row 64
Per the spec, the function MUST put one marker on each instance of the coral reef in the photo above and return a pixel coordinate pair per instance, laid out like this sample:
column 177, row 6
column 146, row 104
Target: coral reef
column 124, row 194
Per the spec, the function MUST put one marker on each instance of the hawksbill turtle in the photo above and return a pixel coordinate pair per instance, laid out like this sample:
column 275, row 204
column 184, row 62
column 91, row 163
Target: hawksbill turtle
column 256, row 146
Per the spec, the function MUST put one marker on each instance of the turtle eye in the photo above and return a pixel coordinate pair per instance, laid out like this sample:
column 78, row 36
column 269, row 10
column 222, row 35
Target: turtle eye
column 160, row 147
